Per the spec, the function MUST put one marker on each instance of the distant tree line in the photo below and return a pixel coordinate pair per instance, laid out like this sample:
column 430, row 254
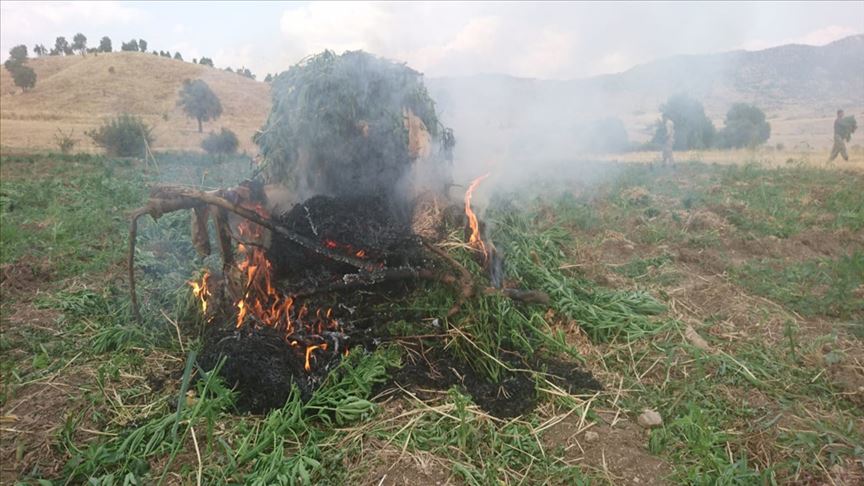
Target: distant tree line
column 745, row 126
column 242, row 71
column 62, row 47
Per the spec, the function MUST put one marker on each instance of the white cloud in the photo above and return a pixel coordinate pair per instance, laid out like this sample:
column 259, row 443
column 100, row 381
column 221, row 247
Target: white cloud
column 234, row 57
column 20, row 17
column 338, row 26
column 818, row 37
column 548, row 56
column 826, row 35
column 32, row 22
column 613, row 62
column 188, row 50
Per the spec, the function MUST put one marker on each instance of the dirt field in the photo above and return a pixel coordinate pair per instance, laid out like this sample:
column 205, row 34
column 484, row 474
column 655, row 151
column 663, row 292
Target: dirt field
column 753, row 360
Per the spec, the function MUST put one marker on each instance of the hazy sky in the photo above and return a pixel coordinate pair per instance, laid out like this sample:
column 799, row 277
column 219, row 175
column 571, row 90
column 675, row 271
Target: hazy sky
column 545, row 40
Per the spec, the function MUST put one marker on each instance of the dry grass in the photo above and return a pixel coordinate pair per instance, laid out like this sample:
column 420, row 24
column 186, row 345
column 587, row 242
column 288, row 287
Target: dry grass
column 76, row 93
column 764, row 156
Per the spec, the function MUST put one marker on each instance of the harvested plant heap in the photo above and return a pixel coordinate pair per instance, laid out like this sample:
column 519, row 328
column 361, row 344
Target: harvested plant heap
column 340, row 124
column 848, row 125
column 349, row 266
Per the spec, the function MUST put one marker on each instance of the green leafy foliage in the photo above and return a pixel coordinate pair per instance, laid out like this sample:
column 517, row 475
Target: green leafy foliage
column 79, row 43
column 124, row 136
column 346, row 115
column 105, row 44
column 846, row 127
column 223, row 142
column 131, row 46
column 604, row 314
column 61, row 47
column 199, row 101
column 18, row 53
column 693, row 129
column 793, row 284
column 22, row 75
column 745, row 127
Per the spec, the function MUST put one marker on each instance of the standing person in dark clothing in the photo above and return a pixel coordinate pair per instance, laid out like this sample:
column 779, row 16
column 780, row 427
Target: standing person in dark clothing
column 839, row 147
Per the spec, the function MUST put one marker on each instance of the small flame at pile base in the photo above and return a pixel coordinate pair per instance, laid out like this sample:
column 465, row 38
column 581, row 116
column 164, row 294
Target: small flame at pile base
column 475, row 240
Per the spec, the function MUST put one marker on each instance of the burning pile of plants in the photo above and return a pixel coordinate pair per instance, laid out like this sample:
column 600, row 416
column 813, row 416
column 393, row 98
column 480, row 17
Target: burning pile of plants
column 346, row 217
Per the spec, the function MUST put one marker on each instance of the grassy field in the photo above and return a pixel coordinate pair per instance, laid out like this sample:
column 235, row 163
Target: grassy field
column 728, row 298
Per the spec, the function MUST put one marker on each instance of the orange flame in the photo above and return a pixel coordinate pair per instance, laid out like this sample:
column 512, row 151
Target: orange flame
column 474, row 240
column 261, row 301
column 309, row 350
column 201, row 291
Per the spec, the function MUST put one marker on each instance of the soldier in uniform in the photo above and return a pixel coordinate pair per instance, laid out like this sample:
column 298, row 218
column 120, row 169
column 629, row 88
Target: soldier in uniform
column 839, row 147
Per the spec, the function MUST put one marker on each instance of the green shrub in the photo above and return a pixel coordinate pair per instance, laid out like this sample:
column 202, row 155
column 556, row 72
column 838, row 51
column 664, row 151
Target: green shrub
column 693, row 129
column 745, row 127
column 223, row 142
column 125, row 136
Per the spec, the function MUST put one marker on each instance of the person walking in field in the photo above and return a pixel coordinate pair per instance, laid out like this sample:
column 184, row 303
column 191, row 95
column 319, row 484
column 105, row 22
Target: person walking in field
column 670, row 141
column 840, row 137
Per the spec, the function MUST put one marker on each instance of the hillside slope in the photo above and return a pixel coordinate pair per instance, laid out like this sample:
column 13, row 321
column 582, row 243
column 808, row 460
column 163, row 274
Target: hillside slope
column 799, row 87
column 494, row 116
column 77, row 92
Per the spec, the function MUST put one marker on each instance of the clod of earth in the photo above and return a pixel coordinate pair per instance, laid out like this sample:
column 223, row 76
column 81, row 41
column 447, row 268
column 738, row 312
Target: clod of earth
column 650, row 419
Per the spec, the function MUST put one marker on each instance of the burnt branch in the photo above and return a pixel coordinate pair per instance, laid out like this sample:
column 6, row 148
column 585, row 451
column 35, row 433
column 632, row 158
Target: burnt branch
column 177, row 197
column 359, row 280
column 466, row 281
column 167, row 199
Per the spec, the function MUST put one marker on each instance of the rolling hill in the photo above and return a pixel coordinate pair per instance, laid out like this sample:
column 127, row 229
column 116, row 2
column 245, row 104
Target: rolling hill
column 494, row 116
column 75, row 93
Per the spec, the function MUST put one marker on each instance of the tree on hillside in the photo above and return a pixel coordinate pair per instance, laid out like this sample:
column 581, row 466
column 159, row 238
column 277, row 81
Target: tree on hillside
column 745, row 127
column 61, row 47
column 245, row 72
column 142, row 45
column 268, row 78
column 22, row 75
column 693, row 129
column 206, row 61
column 18, row 53
column 105, row 44
column 40, row 50
column 177, row 56
column 79, row 43
column 131, row 46
column 199, row 101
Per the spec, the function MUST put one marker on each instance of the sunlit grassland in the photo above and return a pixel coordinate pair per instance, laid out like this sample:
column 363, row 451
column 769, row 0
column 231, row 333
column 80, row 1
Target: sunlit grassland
column 747, row 410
